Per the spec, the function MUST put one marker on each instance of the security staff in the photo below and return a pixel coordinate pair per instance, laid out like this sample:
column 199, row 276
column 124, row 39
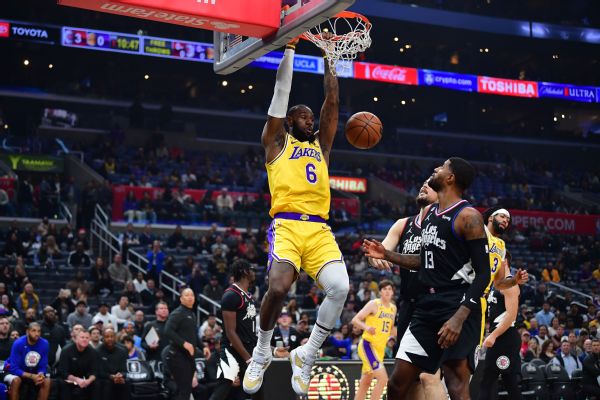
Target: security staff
column 181, row 331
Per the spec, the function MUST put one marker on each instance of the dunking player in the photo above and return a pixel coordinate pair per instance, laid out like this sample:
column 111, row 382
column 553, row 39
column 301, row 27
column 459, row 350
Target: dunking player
column 297, row 166
column 376, row 319
column 239, row 318
column 405, row 235
column 455, row 270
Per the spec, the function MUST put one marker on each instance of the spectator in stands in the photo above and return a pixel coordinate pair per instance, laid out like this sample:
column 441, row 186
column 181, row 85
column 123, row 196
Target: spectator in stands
column 574, row 313
column 138, row 323
column 213, row 290
column 48, row 252
column 284, row 335
column 112, row 370
column 53, row 332
column 542, row 335
column 95, row 337
column 219, row 245
column 133, row 296
column 553, row 327
column 14, row 247
column 587, row 349
column 131, row 208
column 104, row 316
column 121, row 311
column 80, row 316
column 79, row 258
column 139, row 283
column 119, row 272
column 100, row 277
column 28, row 363
column 224, row 202
column 6, row 206
column 533, row 350
column 176, row 239
column 133, row 353
column 155, row 347
column 210, row 322
column 148, row 295
column 547, row 353
column 5, row 341
column 78, row 283
column 7, row 307
column 566, row 359
column 591, row 371
column 312, row 298
column 146, row 238
column 78, row 369
column 573, row 341
column 540, row 295
column 28, row 299
column 63, row 305
column 545, row 315
column 74, row 332
column 129, row 234
column 20, row 278
column 156, row 259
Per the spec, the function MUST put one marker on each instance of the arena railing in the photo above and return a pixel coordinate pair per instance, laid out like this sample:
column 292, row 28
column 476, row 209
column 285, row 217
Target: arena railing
column 108, row 244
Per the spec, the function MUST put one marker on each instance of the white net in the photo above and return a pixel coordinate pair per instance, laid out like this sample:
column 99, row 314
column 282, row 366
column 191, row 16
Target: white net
column 341, row 39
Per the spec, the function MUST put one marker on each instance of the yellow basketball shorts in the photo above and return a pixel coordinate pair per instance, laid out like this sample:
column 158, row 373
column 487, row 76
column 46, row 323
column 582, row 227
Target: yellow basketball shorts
column 371, row 356
column 305, row 245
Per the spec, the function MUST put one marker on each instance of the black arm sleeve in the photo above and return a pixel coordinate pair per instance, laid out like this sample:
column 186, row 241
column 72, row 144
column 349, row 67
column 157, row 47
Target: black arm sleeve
column 480, row 260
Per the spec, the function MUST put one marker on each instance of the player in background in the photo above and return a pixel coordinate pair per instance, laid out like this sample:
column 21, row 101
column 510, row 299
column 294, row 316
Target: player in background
column 376, row 319
column 503, row 343
column 297, row 162
column 405, row 235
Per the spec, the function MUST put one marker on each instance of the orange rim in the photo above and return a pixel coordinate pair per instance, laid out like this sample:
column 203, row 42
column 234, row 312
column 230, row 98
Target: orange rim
column 343, row 14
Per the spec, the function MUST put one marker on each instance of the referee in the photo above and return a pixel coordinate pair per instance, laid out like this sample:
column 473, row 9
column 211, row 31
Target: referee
column 181, row 331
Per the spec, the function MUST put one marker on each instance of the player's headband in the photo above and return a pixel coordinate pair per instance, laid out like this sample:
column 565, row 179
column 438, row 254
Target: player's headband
column 501, row 211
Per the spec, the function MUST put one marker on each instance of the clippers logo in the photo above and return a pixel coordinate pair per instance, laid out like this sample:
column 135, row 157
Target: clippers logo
column 4, row 29
column 503, row 362
column 328, row 383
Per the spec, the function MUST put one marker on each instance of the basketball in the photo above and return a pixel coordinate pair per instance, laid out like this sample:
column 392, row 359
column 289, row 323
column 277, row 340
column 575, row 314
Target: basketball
column 364, row 130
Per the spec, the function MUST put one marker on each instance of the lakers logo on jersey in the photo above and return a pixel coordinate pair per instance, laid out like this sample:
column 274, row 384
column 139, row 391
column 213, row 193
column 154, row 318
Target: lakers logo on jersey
column 299, row 179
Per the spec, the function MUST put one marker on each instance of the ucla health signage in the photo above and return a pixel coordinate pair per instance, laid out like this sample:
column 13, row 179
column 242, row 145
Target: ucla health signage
column 448, row 80
column 586, row 94
column 302, row 63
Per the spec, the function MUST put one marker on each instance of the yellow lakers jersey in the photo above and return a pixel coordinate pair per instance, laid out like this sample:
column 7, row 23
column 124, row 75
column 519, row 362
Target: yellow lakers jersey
column 383, row 322
column 299, row 179
column 497, row 250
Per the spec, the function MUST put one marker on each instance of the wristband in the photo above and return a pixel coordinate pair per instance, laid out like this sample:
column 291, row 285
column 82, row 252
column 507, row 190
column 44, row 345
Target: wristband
column 290, row 46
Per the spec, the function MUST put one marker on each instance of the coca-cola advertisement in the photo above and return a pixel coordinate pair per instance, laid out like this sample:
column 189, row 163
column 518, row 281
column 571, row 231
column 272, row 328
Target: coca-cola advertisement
column 385, row 73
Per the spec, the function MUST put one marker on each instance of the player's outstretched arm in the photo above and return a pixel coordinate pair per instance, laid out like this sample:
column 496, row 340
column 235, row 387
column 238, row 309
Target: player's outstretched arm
column 390, row 242
column 328, row 120
column 273, row 134
column 374, row 249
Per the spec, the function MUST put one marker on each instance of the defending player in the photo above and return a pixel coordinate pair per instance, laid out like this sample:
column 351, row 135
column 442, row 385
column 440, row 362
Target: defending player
column 239, row 319
column 455, row 271
column 376, row 319
column 503, row 343
column 297, row 160
column 405, row 235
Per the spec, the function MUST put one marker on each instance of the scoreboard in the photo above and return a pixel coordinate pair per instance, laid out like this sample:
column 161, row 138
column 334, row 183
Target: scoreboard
column 92, row 39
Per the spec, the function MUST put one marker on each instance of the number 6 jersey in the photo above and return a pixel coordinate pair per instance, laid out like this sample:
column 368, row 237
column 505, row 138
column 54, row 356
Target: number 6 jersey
column 299, row 179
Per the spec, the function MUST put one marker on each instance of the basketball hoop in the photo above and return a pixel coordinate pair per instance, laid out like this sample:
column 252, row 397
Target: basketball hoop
column 350, row 35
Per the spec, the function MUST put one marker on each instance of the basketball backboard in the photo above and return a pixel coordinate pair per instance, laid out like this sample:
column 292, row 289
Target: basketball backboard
column 233, row 52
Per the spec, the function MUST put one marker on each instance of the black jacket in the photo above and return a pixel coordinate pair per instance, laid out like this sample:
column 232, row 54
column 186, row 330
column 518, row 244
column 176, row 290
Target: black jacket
column 76, row 363
column 293, row 340
column 591, row 369
column 112, row 361
column 181, row 328
column 56, row 336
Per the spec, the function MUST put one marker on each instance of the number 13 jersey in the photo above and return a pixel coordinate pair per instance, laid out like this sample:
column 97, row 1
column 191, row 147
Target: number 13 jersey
column 299, row 179
column 445, row 258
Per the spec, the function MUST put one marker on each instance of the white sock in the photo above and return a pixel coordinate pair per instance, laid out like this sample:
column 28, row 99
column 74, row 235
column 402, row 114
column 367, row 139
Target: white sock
column 316, row 340
column 264, row 341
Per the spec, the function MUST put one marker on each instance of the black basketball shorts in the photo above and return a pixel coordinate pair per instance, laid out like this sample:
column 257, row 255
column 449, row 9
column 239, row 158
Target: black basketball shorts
column 504, row 357
column 419, row 345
